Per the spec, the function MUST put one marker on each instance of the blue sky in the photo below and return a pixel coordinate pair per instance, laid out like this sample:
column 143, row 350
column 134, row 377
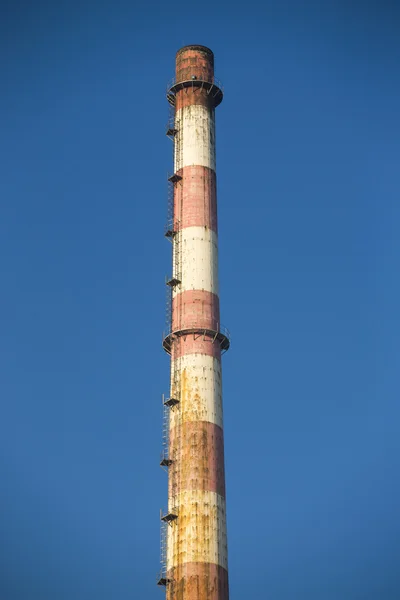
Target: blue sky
column 308, row 144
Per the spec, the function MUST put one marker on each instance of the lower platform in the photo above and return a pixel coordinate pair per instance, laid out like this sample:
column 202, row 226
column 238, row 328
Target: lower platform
column 221, row 337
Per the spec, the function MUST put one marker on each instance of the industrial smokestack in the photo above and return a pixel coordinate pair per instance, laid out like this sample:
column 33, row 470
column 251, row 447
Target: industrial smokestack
column 194, row 541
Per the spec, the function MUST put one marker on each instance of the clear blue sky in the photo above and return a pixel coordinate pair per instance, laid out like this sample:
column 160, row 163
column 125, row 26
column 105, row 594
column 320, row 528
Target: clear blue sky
column 308, row 145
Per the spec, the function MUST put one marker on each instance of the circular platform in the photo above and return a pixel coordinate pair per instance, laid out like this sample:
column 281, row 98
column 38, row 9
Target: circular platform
column 222, row 337
column 213, row 89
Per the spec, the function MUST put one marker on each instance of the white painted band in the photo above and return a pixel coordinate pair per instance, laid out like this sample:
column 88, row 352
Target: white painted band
column 195, row 137
column 196, row 260
column 199, row 532
column 196, row 381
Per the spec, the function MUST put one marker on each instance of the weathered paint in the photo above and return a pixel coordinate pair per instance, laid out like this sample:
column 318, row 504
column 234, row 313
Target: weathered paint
column 197, row 581
column 194, row 60
column 196, row 344
column 198, row 258
column 196, row 199
column 199, row 532
column 199, row 388
column 192, row 97
column 197, row 452
column 194, row 141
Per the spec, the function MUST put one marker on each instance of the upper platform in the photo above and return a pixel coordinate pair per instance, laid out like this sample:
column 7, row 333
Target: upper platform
column 213, row 89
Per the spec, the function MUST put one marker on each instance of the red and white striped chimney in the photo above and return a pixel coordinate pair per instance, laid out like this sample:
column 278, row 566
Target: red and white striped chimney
column 196, row 554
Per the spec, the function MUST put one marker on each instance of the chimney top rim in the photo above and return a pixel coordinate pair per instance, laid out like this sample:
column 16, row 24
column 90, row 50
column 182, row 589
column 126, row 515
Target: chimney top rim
column 195, row 47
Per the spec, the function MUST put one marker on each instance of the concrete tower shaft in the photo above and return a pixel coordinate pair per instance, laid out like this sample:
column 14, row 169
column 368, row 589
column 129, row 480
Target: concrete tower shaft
column 196, row 558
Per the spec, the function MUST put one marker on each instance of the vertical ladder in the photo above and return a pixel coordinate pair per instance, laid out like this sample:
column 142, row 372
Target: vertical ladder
column 176, row 256
column 170, row 129
column 170, row 226
column 178, row 142
column 168, row 308
column 171, row 233
column 171, row 133
column 165, row 460
column 175, row 279
column 162, row 576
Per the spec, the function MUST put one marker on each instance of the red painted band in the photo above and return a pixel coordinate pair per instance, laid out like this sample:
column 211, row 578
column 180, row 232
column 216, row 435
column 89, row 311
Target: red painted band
column 195, row 198
column 195, row 308
column 197, row 449
column 195, row 343
column 191, row 96
column 198, row 581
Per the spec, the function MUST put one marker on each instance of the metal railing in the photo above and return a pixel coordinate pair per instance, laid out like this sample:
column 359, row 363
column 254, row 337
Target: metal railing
column 194, row 325
column 219, row 333
column 211, row 80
